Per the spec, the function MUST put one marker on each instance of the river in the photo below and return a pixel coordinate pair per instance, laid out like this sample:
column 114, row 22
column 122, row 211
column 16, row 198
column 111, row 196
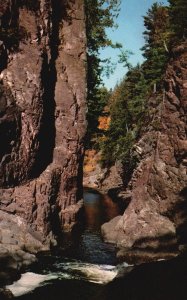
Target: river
column 86, row 268
column 83, row 265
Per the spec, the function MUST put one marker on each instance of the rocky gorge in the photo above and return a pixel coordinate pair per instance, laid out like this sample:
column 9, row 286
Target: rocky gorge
column 42, row 129
column 42, row 125
column 154, row 224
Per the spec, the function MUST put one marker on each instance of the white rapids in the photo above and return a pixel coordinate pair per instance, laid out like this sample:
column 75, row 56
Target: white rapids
column 28, row 282
column 100, row 274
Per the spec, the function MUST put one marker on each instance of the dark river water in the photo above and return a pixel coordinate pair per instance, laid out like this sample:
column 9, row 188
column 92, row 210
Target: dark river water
column 85, row 263
column 86, row 268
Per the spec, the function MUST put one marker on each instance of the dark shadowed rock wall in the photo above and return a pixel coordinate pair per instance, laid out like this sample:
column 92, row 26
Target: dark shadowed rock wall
column 42, row 116
column 154, row 225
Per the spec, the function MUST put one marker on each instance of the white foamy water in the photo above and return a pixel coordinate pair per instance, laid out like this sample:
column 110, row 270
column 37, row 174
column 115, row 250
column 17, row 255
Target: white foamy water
column 94, row 273
column 100, row 274
column 28, row 282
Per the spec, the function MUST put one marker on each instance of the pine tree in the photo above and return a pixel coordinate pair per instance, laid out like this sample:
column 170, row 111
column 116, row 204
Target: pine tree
column 178, row 19
column 127, row 108
column 100, row 14
column 165, row 27
column 156, row 48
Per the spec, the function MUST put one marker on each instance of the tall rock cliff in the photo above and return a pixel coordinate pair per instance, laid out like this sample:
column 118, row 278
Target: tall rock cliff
column 154, row 225
column 42, row 117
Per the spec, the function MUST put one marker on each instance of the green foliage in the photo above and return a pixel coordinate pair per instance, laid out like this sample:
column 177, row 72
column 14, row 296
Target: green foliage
column 128, row 112
column 156, row 50
column 128, row 103
column 124, row 58
column 100, row 15
column 96, row 106
column 178, row 20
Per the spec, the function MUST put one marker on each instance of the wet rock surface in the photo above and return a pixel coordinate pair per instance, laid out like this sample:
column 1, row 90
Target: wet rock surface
column 18, row 246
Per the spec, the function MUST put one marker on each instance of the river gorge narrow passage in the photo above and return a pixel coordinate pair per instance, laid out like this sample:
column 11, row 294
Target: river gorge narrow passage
column 85, row 263
column 87, row 268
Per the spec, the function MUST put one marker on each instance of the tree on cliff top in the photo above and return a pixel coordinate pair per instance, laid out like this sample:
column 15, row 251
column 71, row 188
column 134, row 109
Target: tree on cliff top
column 129, row 107
column 178, row 19
column 127, row 111
column 156, row 48
column 100, row 15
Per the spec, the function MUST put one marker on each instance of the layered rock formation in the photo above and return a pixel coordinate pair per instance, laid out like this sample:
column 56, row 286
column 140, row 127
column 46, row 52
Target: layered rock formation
column 42, row 114
column 155, row 222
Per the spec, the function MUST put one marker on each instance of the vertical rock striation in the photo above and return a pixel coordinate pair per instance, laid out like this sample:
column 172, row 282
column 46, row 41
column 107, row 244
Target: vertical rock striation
column 155, row 222
column 42, row 112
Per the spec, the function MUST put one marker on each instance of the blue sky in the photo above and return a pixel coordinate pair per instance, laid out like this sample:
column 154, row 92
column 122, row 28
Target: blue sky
column 129, row 34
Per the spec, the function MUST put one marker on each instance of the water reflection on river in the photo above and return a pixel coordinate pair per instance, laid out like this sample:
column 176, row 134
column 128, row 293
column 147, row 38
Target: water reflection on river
column 86, row 264
column 110, row 208
column 88, row 245
column 98, row 209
